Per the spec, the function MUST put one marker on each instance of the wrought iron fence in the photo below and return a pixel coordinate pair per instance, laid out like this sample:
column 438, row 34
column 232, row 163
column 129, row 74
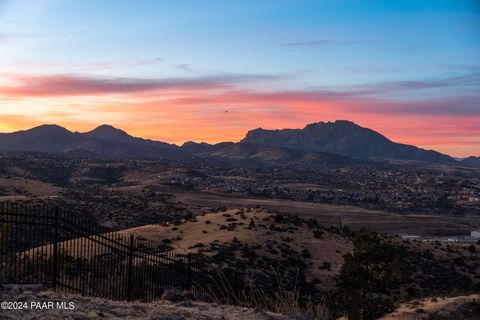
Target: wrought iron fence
column 42, row 244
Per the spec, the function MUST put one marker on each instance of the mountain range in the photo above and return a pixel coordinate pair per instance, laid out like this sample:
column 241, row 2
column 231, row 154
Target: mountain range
column 322, row 144
column 345, row 138
column 104, row 141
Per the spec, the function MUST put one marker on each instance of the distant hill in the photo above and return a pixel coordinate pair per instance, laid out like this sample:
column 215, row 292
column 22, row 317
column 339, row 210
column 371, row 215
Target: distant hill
column 472, row 161
column 104, row 141
column 344, row 138
column 202, row 147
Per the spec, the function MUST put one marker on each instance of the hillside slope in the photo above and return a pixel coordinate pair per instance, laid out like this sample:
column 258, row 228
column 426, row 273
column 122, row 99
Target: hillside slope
column 265, row 155
column 472, row 161
column 256, row 240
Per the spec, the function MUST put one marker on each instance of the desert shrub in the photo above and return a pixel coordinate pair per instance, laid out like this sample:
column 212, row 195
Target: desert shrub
column 306, row 254
column 326, row 266
column 428, row 254
column 459, row 261
column 317, row 234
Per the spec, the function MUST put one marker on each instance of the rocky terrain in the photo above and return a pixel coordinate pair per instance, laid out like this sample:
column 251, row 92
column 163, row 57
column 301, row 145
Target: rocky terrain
column 439, row 308
column 94, row 308
column 172, row 307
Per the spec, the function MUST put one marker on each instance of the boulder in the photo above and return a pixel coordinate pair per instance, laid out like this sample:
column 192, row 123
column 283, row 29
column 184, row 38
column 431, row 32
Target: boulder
column 297, row 315
column 175, row 295
column 34, row 287
column 172, row 317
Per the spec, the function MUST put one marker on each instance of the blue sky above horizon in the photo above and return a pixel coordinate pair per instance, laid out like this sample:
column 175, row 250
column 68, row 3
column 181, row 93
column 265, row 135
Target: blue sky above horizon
column 169, row 70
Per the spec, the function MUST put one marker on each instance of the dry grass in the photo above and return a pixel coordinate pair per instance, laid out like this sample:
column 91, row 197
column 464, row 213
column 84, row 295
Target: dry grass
column 283, row 300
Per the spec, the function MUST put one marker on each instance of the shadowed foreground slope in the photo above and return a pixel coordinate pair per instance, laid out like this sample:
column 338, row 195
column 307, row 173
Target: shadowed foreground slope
column 94, row 308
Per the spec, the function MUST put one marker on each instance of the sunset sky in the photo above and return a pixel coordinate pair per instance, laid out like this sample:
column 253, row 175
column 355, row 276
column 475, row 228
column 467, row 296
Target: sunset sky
column 212, row 70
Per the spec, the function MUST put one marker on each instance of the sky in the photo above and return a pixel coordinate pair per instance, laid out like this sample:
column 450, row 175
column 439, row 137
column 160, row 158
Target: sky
column 210, row 70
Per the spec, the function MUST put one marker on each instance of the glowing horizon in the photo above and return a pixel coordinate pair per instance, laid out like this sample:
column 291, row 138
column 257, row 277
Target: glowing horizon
column 213, row 71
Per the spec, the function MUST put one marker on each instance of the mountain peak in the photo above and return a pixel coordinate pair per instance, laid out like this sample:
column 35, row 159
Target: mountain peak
column 107, row 128
column 342, row 121
column 48, row 129
column 108, row 133
column 193, row 143
column 336, row 123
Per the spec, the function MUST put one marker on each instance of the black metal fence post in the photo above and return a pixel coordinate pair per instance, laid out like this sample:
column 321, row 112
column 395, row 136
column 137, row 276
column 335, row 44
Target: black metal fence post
column 235, row 284
column 130, row 268
column 189, row 268
column 55, row 248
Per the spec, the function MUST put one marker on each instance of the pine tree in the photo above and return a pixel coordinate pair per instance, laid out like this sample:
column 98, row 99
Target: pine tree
column 369, row 273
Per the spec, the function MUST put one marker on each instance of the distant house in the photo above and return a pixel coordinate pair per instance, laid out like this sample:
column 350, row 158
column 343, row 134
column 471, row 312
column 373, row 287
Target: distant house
column 475, row 234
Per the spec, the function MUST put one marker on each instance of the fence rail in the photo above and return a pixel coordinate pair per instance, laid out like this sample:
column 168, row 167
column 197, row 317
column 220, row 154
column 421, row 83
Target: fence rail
column 42, row 244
